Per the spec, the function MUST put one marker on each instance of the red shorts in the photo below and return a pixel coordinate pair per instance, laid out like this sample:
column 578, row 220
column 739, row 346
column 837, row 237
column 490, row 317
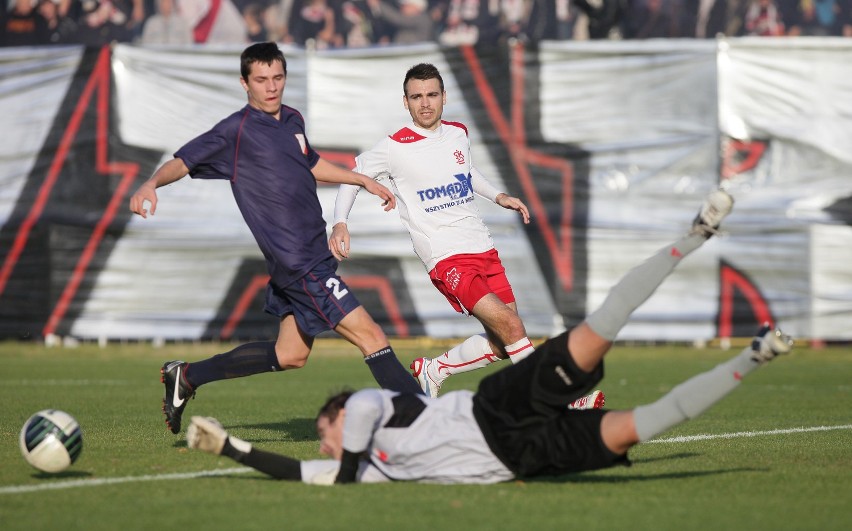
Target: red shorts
column 465, row 278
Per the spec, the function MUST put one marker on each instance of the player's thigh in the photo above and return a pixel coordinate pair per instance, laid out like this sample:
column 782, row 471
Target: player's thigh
column 587, row 347
column 293, row 346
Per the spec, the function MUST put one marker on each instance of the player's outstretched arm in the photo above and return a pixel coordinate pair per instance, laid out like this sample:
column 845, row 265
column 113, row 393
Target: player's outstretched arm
column 327, row 172
column 168, row 173
column 208, row 435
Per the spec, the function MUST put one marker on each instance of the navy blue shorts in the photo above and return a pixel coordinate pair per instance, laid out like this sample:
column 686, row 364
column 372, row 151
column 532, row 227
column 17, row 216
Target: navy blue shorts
column 523, row 413
column 319, row 300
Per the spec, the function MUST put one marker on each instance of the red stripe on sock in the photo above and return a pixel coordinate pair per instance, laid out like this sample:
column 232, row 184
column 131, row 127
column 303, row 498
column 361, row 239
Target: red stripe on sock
column 518, row 351
column 442, row 365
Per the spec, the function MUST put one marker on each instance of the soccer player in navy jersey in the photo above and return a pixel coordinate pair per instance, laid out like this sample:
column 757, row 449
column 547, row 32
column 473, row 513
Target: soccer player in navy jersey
column 263, row 151
column 516, row 424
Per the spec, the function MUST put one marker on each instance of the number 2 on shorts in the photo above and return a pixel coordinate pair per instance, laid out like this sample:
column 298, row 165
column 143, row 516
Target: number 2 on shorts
column 334, row 285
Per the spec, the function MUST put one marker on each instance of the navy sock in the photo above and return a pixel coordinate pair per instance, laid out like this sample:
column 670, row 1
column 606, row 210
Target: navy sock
column 245, row 360
column 389, row 372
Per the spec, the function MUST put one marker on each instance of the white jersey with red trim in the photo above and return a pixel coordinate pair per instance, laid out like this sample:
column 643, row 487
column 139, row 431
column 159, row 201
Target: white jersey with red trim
column 413, row 438
column 433, row 177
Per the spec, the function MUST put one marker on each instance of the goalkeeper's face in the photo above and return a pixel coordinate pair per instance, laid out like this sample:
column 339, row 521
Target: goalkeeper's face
column 331, row 435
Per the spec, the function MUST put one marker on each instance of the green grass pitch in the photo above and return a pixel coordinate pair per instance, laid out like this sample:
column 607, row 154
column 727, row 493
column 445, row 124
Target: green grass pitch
column 134, row 474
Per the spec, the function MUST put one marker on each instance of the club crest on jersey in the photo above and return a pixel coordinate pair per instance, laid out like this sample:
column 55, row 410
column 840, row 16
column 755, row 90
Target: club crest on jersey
column 453, row 190
column 302, row 144
column 459, row 156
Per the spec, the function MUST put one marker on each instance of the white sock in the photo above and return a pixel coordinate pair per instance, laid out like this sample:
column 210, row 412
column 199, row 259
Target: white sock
column 471, row 354
column 520, row 349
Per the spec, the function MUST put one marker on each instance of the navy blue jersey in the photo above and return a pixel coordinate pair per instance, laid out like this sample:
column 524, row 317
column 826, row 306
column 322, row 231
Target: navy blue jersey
column 269, row 163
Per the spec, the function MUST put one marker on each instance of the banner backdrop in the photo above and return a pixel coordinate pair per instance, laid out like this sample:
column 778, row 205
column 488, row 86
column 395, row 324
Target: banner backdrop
column 612, row 146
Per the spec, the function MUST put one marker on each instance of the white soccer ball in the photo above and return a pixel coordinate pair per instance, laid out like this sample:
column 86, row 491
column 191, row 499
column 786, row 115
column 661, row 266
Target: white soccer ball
column 51, row 440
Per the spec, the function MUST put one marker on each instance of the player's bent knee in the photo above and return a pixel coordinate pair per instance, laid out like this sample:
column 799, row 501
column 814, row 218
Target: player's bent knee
column 517, row 327
column 292, row 360
column 362, row 331
column 370, row 333
column 587, row 347
column 618, row 431
column 290, row 364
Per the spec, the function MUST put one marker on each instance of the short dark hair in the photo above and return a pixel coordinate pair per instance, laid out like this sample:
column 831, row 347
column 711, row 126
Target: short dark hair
column 334, row 405
column 422, row 71
column 262, row 52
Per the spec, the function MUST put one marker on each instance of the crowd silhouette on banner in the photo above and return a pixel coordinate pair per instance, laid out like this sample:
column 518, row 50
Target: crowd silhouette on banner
column 326, row 24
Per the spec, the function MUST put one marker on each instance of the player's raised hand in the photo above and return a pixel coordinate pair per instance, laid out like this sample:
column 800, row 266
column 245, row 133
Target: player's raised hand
column 338, row 243
column 513, row 203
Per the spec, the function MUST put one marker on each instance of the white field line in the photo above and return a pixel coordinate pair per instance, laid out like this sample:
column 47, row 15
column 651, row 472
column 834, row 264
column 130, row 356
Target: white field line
column 58, row 382
column 742, row 434
column 227, row 471
column 112, row 481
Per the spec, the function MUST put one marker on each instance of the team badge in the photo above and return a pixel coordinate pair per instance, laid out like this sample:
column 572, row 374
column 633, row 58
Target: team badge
column 301, row 138
column 459, row 156
column 452, row 278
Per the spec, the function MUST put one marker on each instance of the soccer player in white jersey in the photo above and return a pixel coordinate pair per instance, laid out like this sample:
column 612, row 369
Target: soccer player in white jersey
column 428, row 165
column 516, row 425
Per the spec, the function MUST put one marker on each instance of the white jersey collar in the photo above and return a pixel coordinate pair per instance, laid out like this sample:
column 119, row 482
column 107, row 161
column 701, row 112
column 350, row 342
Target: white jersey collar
column 425, row 132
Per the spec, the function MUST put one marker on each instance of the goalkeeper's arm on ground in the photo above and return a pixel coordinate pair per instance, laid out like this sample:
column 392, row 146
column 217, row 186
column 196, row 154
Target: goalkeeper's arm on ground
column 208, row 435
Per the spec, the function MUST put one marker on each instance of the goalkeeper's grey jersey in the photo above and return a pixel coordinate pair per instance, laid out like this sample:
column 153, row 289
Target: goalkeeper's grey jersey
column 414, row 438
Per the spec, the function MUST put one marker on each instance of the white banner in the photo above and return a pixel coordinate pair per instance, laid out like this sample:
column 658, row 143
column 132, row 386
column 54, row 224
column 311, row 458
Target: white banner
column 613, row 145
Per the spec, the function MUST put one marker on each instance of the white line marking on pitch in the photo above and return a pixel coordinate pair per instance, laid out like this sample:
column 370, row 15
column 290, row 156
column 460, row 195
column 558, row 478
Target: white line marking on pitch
column 740, row 434
column 111, row 481
column 65, row 382
column 226, row 471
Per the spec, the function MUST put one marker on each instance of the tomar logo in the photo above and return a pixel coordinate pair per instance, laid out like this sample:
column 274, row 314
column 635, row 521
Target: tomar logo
column 455, row 190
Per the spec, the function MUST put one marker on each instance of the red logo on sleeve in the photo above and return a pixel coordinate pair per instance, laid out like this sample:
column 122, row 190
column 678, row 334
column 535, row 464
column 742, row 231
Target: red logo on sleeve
column 383, row 456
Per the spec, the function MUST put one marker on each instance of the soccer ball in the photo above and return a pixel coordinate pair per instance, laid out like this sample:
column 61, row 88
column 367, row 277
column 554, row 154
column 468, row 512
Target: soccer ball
column 51, row 440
